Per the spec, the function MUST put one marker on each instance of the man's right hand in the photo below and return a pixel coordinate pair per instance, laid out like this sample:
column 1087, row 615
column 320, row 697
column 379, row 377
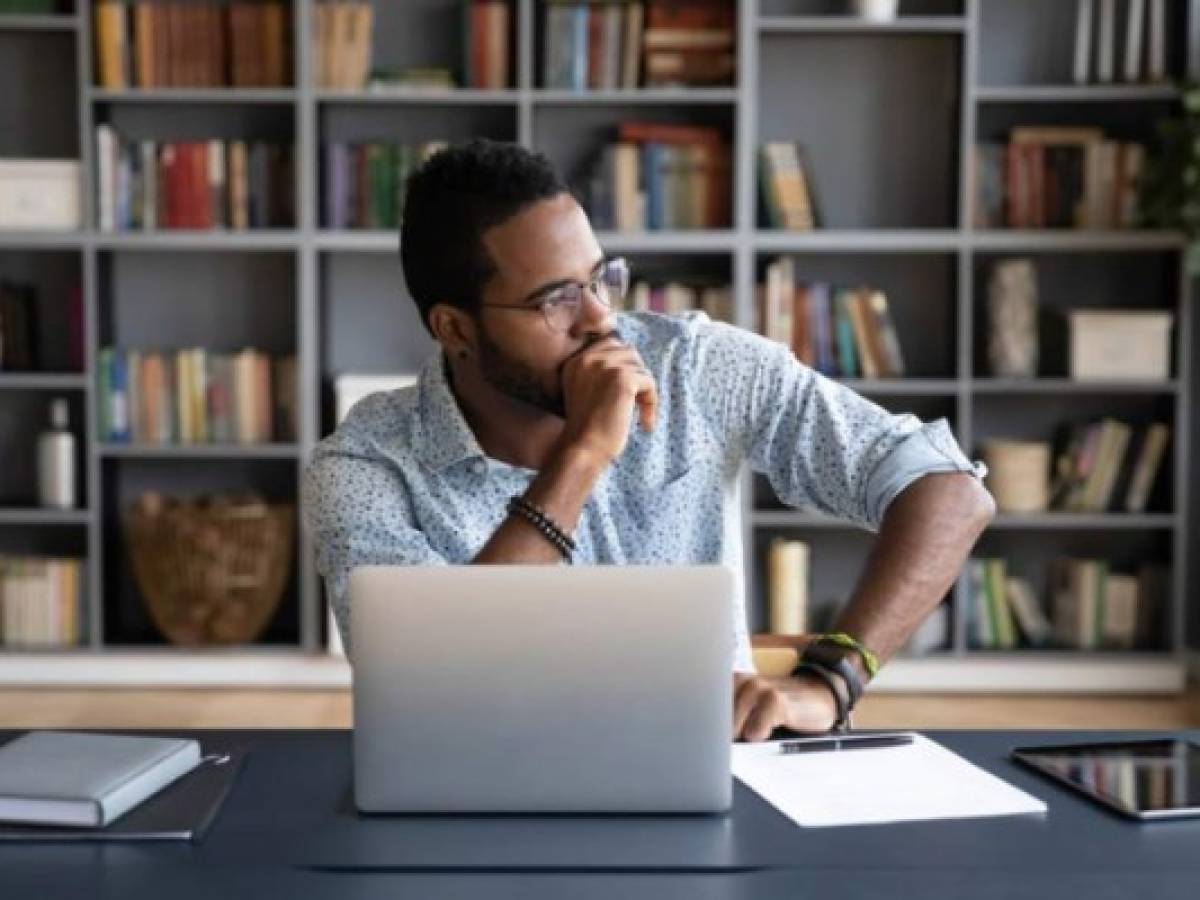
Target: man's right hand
column 601, row 385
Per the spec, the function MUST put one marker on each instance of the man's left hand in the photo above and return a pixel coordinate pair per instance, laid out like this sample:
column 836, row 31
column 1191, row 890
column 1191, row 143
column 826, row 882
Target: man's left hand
column 760, row 706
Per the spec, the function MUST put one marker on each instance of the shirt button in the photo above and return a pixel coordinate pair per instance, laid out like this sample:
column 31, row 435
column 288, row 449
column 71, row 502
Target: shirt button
column 479, row 467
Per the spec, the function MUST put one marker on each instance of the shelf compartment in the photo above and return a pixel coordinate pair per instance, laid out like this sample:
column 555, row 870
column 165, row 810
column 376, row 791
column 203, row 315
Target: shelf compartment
column 126, row 623
column 908, row 179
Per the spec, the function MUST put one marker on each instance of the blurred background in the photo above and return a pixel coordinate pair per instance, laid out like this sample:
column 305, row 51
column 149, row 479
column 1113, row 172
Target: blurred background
column 978, row 210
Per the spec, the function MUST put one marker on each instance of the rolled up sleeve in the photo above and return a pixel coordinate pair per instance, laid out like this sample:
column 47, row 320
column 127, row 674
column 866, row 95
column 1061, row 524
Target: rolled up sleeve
column 822, row 446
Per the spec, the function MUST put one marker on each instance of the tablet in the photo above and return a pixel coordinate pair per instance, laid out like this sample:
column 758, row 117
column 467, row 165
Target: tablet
column 1154, row 779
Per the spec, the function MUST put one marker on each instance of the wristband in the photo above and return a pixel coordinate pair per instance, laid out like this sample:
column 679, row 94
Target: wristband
column 870, row 660
column 832, row 658
column 548, row 527
column 842, row 722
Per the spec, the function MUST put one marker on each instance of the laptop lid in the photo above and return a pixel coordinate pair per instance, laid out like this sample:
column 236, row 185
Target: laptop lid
column 542, row 688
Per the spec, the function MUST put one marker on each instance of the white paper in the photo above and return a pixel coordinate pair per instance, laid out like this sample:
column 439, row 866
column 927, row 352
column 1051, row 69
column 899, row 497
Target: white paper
column 919, row 781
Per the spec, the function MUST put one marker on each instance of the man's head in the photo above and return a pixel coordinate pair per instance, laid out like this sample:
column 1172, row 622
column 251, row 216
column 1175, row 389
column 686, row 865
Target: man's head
column 489, row 230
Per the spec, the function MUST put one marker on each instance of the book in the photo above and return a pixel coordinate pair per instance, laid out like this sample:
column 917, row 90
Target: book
column 1027, row 611
column 1084, row 15
column 1145, row 469
column 86, row 779
column 184, row 810
column 1133, row 40
column 1106, row 40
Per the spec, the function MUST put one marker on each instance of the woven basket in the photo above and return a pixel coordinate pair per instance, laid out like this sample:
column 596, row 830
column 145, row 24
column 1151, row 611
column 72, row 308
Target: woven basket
column 210, row 571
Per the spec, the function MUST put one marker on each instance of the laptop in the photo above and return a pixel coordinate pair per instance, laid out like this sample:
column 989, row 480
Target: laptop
column 542, row 689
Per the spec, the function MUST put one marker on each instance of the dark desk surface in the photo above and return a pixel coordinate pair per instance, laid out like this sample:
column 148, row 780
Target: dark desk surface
column 289, row 829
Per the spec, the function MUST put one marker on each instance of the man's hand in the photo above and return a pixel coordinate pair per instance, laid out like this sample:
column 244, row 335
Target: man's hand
column 601, row 385
column 760, row 706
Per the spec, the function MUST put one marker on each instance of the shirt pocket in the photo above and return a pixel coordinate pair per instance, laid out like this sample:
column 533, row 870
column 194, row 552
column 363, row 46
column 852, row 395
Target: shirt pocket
column 678, row 520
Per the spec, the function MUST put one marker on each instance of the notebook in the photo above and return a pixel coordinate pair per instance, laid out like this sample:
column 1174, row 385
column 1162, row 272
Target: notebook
column 919, row 781
column 83, row 779
column 184, row 810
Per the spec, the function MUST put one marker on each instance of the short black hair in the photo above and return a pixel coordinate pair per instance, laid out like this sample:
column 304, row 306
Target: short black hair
column 458, row 194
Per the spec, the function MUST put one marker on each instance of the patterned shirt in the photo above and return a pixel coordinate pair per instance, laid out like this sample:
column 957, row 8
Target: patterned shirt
column 403, row 481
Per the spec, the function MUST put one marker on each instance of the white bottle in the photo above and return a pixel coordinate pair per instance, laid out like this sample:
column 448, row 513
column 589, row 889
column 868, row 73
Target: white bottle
column 56, row 461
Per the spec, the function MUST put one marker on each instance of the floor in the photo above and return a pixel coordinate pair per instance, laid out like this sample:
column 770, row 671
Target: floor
column 127, row 708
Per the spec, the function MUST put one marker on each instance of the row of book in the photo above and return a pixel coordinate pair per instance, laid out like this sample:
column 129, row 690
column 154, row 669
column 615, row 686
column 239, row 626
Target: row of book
column 196, row 396
column 365, row 184
column 147, row 185
column 1142, row 55
column 23, row 324
column 1092, row 607
column 787, row 193
column 1057, row 177
column 838, row 331
column 188, row 43
column 41, row 601
column 1108, row 465
column 657, row 43
column 674, row 297
column 658, row 176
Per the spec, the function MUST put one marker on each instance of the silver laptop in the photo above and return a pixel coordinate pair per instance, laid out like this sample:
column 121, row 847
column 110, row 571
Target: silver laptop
column 542, row 688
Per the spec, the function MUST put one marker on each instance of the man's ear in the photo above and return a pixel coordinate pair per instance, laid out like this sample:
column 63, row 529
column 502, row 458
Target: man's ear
column 453, row 329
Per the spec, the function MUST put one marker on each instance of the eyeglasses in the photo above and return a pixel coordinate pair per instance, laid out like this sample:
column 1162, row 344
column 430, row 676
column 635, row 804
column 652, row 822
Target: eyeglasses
column 560, row 305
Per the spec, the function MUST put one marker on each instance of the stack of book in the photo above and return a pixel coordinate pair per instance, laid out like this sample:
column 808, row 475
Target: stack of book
column 341, row 44
column 487, row 57
column 187, row 43
column 1057, row 177
column 195, row 397
column 658, row 176
column 21, row 330
column 41, row 602
column 839, row 331
column 690, row 44
column 147, row 185
column 1097, row 30
column 1096, row 608
column 1100, row 466
column 787, row 195
column 365, row 184
column 675, row 297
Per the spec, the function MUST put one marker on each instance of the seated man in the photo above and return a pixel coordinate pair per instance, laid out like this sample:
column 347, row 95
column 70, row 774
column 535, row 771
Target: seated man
column 620, row 435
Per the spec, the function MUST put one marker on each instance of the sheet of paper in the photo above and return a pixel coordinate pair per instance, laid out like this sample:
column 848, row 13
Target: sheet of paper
column 922, row 780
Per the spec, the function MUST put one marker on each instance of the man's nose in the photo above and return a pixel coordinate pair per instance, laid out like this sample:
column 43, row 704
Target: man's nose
column 595, row 318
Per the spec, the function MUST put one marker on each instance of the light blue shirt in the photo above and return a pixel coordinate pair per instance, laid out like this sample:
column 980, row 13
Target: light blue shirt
column 403, row 480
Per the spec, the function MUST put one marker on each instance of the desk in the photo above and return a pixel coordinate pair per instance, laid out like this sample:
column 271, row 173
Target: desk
column 288, row 830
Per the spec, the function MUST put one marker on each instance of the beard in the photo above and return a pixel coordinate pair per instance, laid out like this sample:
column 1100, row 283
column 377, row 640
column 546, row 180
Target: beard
column 517, row 380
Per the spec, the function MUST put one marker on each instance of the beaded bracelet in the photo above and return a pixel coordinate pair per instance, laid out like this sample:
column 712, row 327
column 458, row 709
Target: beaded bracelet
column 548, row 527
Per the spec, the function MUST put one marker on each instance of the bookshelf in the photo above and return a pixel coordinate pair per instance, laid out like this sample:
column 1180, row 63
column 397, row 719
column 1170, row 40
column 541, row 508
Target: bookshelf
column 888, row 112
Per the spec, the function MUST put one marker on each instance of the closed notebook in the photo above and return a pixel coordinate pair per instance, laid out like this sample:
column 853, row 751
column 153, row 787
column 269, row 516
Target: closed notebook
column 83, row 779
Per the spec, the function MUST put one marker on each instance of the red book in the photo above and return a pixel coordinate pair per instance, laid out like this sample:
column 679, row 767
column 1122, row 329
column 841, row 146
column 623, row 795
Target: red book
column 201, row 197
column 704, row 14
column 479, row 45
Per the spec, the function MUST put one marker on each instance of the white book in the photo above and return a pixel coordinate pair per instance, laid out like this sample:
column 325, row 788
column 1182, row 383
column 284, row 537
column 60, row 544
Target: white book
column 1031, row 618
column 1156, row 59
column 1133, row 40
column 149, row 186
column 1106, row 41
column 106, row 165
column 1084, row 15
column 85, row 779
column 631, row 46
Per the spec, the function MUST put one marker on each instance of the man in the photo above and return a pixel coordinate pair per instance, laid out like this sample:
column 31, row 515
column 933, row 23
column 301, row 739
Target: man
column 621, row 435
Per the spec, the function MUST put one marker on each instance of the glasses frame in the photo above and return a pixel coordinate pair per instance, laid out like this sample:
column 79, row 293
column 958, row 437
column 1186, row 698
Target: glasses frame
column 569, row 295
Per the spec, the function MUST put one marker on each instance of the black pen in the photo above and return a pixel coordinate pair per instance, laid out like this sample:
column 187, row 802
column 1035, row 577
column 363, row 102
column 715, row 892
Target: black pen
column 848, row 742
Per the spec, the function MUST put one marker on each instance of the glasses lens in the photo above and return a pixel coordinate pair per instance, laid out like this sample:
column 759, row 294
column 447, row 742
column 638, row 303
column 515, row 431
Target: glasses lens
column 615, row 280
column 562, row 307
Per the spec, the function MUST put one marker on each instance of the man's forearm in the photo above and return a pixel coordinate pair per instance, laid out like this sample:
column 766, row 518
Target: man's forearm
column 926, row 535
column 560, row 490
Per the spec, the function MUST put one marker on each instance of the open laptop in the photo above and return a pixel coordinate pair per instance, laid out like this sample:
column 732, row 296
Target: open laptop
column 542, row 688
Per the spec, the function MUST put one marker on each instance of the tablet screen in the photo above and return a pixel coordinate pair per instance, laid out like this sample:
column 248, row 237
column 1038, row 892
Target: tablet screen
column 1149, row 779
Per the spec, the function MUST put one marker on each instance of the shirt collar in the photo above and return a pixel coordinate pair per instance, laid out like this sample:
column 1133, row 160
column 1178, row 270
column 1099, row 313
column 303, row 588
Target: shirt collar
column 444, row 437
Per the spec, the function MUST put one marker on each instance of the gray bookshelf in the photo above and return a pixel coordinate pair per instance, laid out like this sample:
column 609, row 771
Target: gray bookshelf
column 888, row 114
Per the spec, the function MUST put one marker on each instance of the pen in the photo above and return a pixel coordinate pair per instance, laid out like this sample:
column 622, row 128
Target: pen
column 850, row 742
